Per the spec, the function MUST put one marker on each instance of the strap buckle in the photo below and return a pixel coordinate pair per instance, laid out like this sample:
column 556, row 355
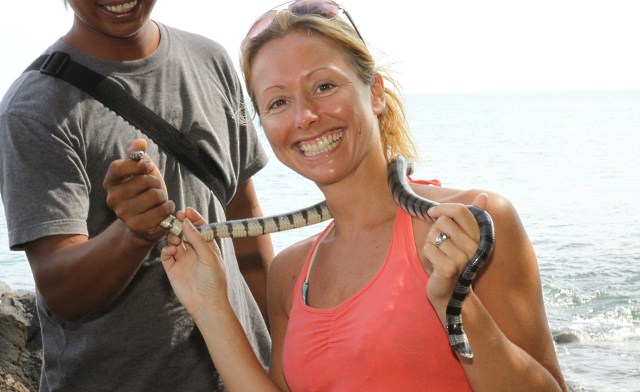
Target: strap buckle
column 55, row 63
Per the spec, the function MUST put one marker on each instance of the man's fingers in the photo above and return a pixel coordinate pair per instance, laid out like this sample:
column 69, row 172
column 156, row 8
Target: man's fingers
column 137, row 145
column 121, row 170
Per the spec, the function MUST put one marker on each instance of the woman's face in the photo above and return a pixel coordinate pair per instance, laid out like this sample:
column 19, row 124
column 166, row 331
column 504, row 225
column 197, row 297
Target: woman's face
column 318, row 115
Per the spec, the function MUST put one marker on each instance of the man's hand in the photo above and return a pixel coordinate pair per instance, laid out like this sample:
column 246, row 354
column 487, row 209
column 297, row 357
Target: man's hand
column 136, row 192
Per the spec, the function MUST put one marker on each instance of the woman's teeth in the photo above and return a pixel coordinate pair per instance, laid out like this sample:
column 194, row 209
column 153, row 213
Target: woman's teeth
column 121, row 8
column 320, row 145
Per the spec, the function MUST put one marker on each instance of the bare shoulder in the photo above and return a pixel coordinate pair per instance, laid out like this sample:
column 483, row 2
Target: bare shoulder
column 292, row 258
column 511, row 237
column 499, row 205
column 507, row 224
column 284, row 271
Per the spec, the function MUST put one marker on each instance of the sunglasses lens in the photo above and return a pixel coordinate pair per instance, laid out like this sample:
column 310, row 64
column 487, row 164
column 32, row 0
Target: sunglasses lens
column 262, row 23
column 325, row 8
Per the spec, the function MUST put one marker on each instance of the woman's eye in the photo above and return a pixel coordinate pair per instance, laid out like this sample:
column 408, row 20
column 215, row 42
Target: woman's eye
column 277, row 103
column 324, row 87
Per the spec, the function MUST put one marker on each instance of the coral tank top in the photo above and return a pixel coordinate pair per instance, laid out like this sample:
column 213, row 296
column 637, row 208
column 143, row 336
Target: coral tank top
column 386, row 337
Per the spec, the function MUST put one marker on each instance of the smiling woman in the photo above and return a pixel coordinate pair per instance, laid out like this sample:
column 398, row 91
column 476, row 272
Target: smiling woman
column 347, row 307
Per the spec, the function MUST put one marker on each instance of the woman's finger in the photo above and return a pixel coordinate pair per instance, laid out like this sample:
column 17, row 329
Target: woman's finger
column 460, row 214
column 173, row 239
column 481, row 201
column 191, row 214
column 442, row 262
column 447, row 235
column 166, row 256
column 195, row 217
column 201, row 247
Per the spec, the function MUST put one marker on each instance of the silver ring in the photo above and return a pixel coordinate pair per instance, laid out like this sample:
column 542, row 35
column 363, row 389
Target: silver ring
column 442, row 237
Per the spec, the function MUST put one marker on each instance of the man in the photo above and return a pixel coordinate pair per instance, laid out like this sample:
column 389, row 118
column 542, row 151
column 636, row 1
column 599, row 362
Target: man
column 88, row 217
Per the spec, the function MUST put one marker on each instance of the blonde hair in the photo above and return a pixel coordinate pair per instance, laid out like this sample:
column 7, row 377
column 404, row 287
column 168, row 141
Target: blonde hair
column 395, row 136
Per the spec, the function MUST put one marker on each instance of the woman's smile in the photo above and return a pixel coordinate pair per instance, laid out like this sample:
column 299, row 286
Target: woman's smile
column 321, row 144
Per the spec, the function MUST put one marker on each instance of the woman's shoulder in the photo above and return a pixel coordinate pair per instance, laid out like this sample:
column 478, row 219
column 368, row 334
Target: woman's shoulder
column 283, row 274
column 498, row 203
column 288, row 262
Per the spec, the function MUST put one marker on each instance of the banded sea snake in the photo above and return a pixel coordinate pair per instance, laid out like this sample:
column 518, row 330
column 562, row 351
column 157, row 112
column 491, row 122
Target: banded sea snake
column 417, row 206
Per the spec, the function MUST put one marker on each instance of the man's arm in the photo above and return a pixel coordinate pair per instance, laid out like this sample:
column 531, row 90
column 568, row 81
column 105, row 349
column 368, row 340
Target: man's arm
column 254, row 254
column 77, row 275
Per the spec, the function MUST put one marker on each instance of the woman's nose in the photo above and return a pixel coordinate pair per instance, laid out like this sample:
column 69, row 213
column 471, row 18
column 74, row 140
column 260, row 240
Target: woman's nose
column 306, row 114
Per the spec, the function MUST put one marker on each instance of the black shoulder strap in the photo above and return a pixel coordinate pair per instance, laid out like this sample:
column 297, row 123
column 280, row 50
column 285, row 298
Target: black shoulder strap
column 113, row 96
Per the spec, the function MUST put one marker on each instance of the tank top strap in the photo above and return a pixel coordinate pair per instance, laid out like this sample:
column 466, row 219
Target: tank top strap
column 403, row 246
column 299, row 294
column 434, row 182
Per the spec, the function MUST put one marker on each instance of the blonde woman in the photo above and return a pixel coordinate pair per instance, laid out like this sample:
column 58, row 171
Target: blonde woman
column 348, row 307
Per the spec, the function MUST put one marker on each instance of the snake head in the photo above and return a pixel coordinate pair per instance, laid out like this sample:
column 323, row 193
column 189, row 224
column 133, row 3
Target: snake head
column 173, row 225
column 136, row 155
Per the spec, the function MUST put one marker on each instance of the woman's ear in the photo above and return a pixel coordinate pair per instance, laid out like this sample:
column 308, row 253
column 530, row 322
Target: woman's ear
column 378, row 97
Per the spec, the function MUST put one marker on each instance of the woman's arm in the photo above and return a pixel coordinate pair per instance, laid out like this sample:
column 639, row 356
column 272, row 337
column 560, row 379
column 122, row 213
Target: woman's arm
column 197, row 276
column 254, row 254
column 282, row 276
column 503, row 315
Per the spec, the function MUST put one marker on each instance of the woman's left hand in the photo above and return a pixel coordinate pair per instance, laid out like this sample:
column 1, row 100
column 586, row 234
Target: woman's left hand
column 453, row 253
column 194, row 267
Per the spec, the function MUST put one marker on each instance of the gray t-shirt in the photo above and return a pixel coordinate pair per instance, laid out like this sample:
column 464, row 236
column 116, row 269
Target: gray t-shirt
column 57, row 144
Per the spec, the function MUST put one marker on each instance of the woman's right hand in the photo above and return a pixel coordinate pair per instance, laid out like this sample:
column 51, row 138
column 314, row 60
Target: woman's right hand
column 450, row 258
column 194, row 268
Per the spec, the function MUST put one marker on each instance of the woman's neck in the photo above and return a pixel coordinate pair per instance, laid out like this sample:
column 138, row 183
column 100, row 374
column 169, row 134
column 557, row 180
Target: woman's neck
column 361, row 201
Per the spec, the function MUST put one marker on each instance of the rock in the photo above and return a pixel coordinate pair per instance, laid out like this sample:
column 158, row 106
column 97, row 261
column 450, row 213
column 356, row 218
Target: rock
column 565, row 338
column 20, row 341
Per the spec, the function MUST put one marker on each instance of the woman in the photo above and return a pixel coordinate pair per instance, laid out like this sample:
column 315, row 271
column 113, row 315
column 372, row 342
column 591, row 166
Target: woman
column 364, row 320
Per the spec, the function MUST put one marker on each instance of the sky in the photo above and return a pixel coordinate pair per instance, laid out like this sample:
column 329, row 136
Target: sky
column 444, row 46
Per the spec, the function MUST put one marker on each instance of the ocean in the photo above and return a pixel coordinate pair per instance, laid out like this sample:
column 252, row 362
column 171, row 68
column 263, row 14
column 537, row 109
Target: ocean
column 570, row 163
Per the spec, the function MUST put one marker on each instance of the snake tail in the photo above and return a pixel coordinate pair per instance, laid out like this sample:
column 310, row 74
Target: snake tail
column 418, row 206
column 457, row 336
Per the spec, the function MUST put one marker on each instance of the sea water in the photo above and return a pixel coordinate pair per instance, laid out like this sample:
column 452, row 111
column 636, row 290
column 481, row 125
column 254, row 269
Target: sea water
column 570, row 163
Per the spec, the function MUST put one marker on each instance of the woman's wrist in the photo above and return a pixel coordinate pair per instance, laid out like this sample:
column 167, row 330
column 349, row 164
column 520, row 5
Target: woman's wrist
column 211, row 311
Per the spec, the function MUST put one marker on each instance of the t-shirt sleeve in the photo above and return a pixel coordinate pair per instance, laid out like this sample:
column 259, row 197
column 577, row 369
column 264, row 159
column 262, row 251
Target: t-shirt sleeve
column 44, row 185
column 255, row 156
column 248, row 154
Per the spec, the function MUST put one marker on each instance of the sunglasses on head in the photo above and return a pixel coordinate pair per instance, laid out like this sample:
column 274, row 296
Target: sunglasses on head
column 325, row 8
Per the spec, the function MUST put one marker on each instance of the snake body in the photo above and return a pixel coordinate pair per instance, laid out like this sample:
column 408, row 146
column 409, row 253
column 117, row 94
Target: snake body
column 408, row 200
column 253, row 227
column 418, row 206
